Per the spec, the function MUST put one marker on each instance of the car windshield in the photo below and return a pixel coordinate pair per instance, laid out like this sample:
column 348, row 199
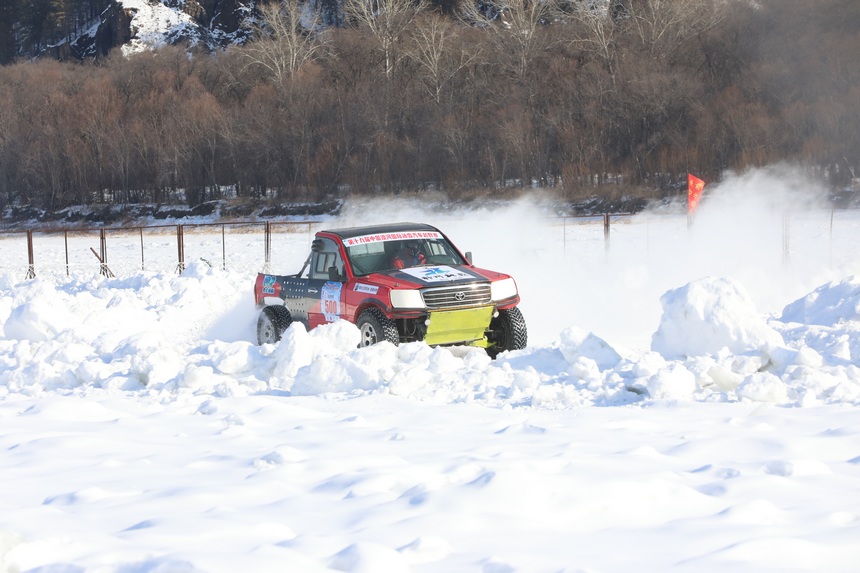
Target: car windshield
column 381, row 253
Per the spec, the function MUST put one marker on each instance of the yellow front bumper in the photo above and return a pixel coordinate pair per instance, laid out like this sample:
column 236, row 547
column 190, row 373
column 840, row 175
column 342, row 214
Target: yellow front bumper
column 465, row 326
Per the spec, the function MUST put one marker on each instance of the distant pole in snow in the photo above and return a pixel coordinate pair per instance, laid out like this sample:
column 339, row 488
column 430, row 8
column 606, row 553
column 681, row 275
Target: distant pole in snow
column 180, row 247
column 786, row 231
column 267, row 247
column 103, row 250
column 831, row 237
column 101, row 255
column 31, row 263
column 104, row 270
column 606, row 230
column 66, row 244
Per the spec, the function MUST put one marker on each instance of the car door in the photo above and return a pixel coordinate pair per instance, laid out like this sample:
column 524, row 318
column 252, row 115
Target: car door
column 325, row 293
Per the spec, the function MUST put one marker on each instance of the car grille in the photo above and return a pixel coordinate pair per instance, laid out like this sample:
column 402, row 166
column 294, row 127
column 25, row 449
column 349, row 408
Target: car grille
column 462, row 296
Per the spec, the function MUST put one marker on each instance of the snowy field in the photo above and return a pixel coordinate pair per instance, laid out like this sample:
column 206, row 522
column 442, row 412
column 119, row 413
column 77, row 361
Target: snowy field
column 689, row 401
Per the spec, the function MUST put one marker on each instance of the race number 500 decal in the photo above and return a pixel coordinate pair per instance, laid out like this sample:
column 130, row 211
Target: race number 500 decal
column 330, row 300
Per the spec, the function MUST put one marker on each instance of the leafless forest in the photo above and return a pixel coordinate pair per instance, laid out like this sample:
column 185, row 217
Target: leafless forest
column 438, row 96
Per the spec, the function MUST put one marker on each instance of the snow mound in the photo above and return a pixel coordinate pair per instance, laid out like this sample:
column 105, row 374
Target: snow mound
column 710, row 316
column 833, row 303
column 369, row 558
column 672, row 382
column 823, row 328
column 578, row 343
column 166, row 336
column 38, row 320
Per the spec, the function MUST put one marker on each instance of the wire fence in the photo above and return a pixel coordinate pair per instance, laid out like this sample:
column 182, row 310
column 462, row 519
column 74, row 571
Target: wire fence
column 247, row 246
column 121, row 251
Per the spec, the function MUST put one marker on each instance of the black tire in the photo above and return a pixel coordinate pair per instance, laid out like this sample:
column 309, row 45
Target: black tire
column 508, row 331
column 376, row 327
column 272, row 323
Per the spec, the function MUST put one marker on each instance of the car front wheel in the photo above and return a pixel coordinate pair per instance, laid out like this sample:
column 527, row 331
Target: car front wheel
column 508, row 332
column 272, row 323
column 376, row 327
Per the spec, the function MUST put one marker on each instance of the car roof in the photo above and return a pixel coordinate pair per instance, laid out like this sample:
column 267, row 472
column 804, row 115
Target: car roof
column 350, row 232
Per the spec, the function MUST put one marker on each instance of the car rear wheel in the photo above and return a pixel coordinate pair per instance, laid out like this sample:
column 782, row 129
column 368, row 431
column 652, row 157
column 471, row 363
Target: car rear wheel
column 508, row 331
column 376, row 327
column 272, row 323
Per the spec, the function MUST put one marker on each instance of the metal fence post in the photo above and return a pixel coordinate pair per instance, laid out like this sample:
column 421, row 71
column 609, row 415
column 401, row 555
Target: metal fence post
column 31, row 263
column 831, row 237
column 66, row 244
column 101, row 256
column 103, row 252
column 142, row 262
column 105, row 269
column 606, row 230
column 267, row 247
column 180, row 246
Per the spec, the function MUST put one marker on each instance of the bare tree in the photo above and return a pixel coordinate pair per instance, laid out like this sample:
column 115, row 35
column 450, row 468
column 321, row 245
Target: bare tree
column 664, row 26
column 439, row 56
column 596, row 32
column 387, row 21
column 515, row 33
column 289, row 36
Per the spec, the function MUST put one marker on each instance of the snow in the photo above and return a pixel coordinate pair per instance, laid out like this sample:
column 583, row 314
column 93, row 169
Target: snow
column 688, row 401
column 154, row 24
column 709, row 315
column 157, row 23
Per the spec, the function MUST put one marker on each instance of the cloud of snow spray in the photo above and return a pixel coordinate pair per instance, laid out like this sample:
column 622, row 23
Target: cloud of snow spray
column 767, row 228
column 194, row 331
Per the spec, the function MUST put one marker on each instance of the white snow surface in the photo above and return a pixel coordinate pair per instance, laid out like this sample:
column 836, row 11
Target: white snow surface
column 688, row 401
column 154, row 24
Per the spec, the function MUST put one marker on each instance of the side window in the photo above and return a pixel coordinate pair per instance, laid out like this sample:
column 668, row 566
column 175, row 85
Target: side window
column 328, row 257
column 435, row 248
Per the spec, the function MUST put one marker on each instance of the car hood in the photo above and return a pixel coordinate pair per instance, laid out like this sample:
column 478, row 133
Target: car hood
column 432, row 275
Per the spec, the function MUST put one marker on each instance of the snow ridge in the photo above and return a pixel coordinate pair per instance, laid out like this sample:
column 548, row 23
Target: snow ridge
column 164, row 335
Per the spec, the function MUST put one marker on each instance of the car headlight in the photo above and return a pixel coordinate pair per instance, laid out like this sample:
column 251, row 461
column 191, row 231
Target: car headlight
column 406, row 299
column 504, row 289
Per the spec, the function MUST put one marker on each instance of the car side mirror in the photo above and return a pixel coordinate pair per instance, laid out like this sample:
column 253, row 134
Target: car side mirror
column 334, row 275
column 469, row 257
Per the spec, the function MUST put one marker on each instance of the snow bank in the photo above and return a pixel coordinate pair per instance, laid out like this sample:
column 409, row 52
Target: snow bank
column 832, row 304
column 165, row 335
column 711, row 316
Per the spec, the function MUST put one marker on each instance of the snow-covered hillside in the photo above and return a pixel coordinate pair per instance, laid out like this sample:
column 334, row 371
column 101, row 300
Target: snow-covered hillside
column 688, row 402
column 138, row 25
column 154, row 24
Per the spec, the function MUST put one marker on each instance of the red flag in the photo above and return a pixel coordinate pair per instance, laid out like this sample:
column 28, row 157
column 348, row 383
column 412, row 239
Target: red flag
column 694, row 192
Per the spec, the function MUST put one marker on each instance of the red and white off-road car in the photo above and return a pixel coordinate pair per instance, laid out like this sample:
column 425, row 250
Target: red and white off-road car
column 401, row 282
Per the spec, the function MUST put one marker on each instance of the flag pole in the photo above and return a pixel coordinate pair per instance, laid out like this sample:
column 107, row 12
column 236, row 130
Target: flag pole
column 695, row 186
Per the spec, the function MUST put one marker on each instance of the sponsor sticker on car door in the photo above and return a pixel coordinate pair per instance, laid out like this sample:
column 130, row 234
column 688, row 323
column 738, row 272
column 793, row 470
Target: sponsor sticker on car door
column 330, row 300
